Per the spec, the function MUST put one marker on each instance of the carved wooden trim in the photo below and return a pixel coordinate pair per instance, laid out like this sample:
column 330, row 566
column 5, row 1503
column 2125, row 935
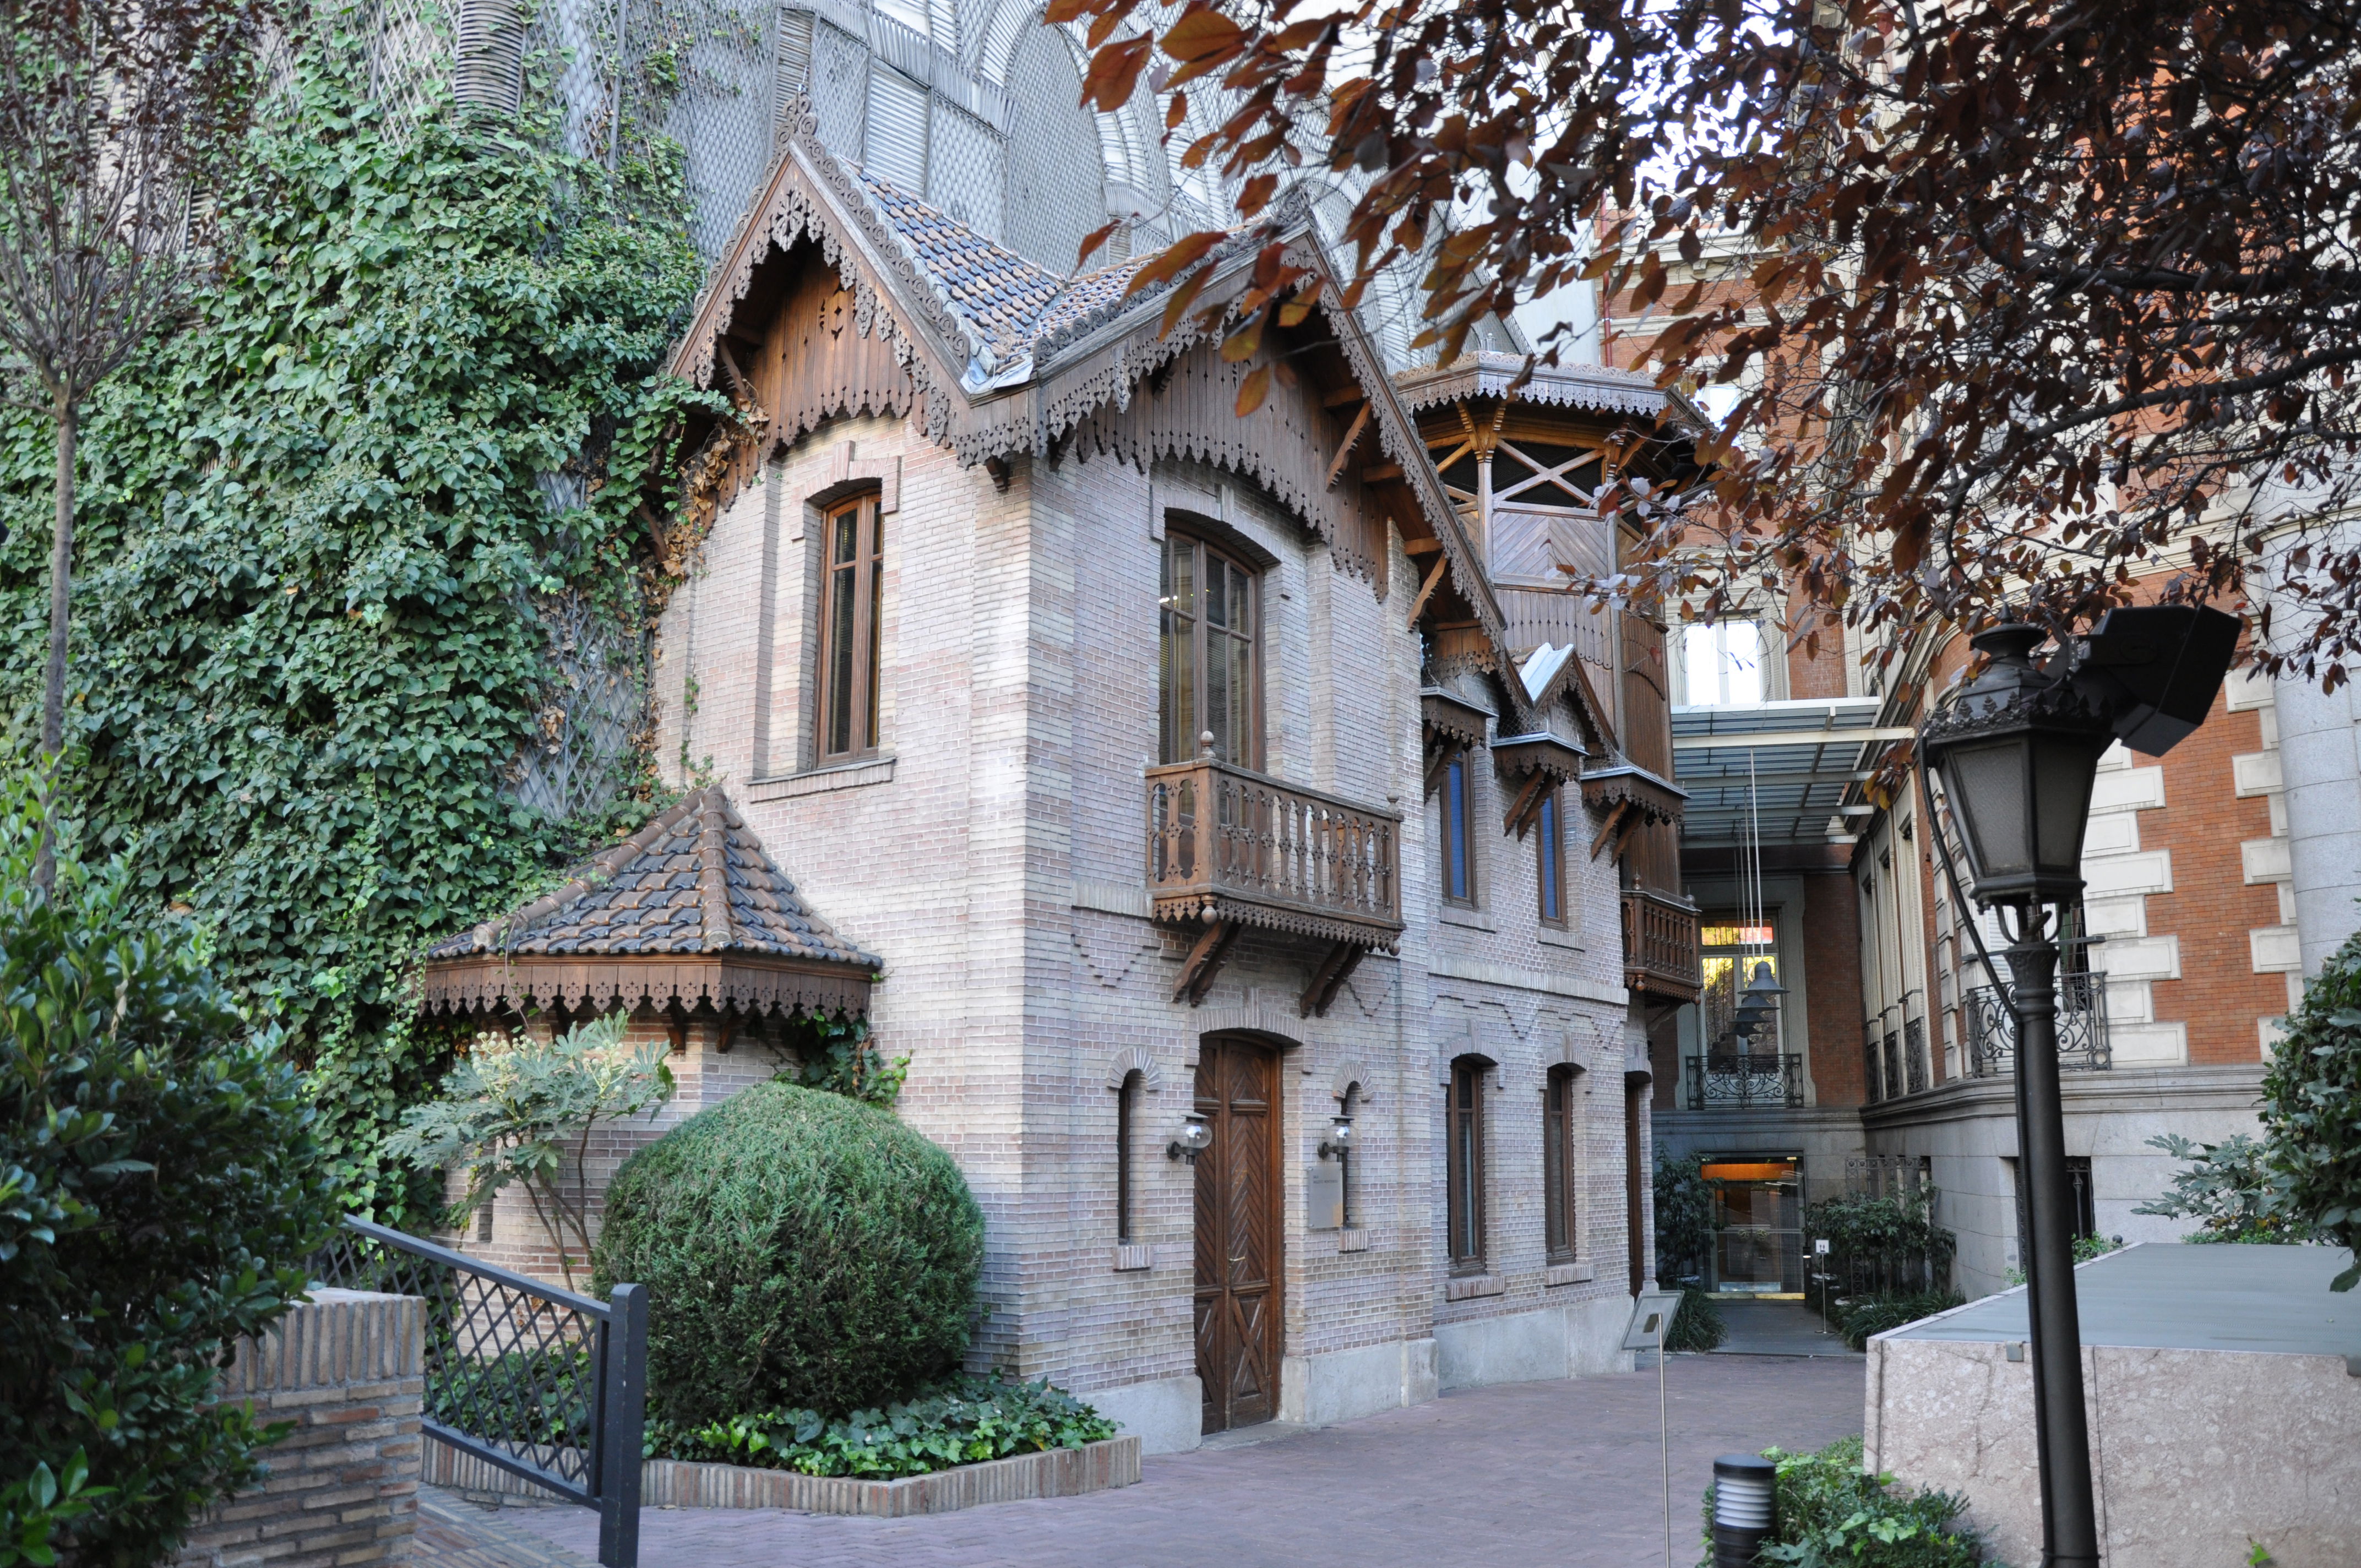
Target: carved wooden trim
column 746, row 982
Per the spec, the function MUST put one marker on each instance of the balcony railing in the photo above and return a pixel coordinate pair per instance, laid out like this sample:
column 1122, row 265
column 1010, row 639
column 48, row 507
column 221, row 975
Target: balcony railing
column 1719, row 1083
column 1660, row 945
column 1224, row 843
column 2082, row 1027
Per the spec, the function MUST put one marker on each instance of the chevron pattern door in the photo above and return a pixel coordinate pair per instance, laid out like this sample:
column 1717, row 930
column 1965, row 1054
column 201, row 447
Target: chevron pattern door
column 1237, row 1234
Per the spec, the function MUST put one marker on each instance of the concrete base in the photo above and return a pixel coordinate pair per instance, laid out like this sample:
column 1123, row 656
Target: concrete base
column 1168, row 1414
column 1343, row 1384
column 1583, row 1339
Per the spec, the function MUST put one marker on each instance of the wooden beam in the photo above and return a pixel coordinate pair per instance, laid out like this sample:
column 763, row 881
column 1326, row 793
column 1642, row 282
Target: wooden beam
column 1415, row 547
column 738, row 382
column 1344, row 399
column 1520, row 818
column 1443, row 755
column 1434, row 577
column 1205, row 961
column 1606, row 829
column 1336, row 464
column 1378, row 473
column 1329, row 977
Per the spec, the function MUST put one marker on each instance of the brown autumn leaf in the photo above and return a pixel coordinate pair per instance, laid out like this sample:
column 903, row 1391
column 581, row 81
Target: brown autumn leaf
column 1253, row 390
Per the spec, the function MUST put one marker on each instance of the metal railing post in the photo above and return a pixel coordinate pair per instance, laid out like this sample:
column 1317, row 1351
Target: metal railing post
column 623, row 1421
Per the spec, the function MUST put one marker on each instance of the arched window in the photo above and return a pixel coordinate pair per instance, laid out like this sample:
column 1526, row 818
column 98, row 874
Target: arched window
column 1126, row 1105
column 1560, row 1164
column 1463, row 1127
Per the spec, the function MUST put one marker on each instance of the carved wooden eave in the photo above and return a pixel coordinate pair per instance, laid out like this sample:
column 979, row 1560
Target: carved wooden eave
column 1570, row 684
column 987, row 402
column 1626, row 787
column 1489, row 373
column 494, row 982
column 1533, row 765
column 1452, row 719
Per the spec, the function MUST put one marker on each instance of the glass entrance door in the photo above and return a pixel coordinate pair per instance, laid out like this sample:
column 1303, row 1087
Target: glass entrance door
column 1758, row 1226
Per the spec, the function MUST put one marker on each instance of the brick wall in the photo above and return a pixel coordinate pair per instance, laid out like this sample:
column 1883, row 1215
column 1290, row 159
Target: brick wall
column 347, row 1368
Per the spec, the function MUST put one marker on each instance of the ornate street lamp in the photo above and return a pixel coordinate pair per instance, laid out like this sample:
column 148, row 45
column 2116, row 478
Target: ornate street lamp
column 2017, row 750
column 1758, row 1003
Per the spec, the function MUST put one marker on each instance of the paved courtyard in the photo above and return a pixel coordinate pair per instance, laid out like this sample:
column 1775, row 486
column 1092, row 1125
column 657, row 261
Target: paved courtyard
column 1561, row 1473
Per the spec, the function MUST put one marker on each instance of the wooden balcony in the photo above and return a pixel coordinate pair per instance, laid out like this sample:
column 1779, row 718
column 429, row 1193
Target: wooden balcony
column 1660, row 945
column 1228, row 848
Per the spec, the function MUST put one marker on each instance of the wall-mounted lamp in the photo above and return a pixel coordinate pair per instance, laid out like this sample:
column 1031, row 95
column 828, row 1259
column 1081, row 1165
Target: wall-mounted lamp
column 1340, row 1139
column 1193, row 1139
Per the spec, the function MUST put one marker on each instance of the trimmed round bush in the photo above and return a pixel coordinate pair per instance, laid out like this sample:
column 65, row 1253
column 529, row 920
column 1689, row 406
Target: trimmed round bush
column 801, row 1251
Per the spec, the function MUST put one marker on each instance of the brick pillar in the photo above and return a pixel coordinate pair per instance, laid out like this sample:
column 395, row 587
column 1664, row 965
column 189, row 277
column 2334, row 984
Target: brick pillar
column 348, row 1369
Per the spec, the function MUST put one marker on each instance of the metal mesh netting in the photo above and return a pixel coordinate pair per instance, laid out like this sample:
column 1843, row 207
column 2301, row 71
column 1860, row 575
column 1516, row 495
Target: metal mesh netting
column 964, row 173
column 596, row 703
column 1055, row 177
column 840, row 88
column 718, row 58
column 510, row 1362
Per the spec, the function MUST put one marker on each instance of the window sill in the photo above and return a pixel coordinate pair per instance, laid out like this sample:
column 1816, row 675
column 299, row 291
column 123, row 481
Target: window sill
column 1352, row 1238
column 1468, row 1288
column 1569, row 1273
column 1473, row 919
column 820, row 781
column 1558, row 936
column 1129, row 1256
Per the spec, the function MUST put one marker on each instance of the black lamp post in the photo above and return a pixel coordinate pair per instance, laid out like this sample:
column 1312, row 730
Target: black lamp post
column 2016, row 752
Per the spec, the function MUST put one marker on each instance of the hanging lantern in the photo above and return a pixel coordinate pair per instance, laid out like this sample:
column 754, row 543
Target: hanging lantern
column 2017, row 752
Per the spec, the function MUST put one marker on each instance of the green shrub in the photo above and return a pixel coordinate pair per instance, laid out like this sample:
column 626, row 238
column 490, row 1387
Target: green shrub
column 1883, row 1243
column 1683, row 1218
column 1830, row 1512
column 160, row 1189
column 2312, row 1108
column 964, row 1421
column 1696, row 1323
column 2229, row 1189
column 801, row 1250
column 1863, row 1316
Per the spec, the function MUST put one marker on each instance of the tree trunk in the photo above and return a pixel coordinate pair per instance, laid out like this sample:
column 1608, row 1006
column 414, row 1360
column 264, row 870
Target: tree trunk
column 53, row 698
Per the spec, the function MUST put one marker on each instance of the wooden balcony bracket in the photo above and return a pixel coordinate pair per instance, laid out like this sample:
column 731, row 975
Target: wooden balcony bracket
column 1526, row 806
column 1426, row 591
column 1206, row 963
column 1344, row 450
column 1543, row 761
column 1620, row 820
column 1329, row 977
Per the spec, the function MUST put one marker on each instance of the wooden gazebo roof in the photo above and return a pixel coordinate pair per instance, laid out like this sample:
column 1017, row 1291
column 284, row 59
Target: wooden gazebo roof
column 690, row 909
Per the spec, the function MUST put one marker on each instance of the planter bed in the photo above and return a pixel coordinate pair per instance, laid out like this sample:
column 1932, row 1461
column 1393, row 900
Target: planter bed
column 672, row 1482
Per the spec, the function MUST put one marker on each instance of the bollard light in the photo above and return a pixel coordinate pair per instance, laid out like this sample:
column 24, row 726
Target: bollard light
column 1745, row 1507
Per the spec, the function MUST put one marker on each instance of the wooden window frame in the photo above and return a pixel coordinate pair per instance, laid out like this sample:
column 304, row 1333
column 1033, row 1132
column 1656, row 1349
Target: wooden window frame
column 1458, row 793
column 1171, row 746
column 1549, row 859
column 1127, row 1117
column 1562, row 1164
column 855, row 696
column 1463, row 1165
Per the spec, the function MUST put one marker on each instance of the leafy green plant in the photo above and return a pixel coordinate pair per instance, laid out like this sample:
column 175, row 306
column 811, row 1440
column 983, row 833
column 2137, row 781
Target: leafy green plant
column 162, row 1188
column 800, row 1250
column 965, row 1421
column 519, row 1110
column 1831, row 1512
column 325, row 520
column 1684, row 1217
column 2229, row 1189
column 2312, row 1108
column 835, row 1054
column 1883, row 1243
column 1860, row 1317
column 1696, row 1323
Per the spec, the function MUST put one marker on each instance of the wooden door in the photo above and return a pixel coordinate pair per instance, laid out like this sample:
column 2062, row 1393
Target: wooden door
column 1237, row 1234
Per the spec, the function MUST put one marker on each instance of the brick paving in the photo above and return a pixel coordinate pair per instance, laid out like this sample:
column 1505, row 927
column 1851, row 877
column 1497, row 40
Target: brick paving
column 455, row 1533
column 1563, row 1473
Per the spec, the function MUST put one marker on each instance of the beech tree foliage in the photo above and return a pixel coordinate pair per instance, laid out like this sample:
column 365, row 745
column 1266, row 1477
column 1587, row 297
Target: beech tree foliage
column 2028, row 301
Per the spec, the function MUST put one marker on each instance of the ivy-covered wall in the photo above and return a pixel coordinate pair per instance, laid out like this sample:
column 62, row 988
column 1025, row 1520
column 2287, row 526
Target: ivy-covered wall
column 344, row 530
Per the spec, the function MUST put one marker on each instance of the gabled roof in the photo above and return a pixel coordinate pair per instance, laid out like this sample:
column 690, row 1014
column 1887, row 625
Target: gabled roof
column 689, row 908
column 1005, row 358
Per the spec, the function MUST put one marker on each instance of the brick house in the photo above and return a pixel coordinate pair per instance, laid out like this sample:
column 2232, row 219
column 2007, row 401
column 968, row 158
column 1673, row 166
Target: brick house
column 1187, row 777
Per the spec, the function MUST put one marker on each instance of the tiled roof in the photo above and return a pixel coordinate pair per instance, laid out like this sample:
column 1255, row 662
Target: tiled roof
column 695, row 880
column 1011, row 302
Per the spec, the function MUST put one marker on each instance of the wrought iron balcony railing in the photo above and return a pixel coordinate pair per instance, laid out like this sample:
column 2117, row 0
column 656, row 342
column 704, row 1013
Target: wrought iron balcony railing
column 1718, row 1083
column 2082, row 1027
column 1225, row 844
